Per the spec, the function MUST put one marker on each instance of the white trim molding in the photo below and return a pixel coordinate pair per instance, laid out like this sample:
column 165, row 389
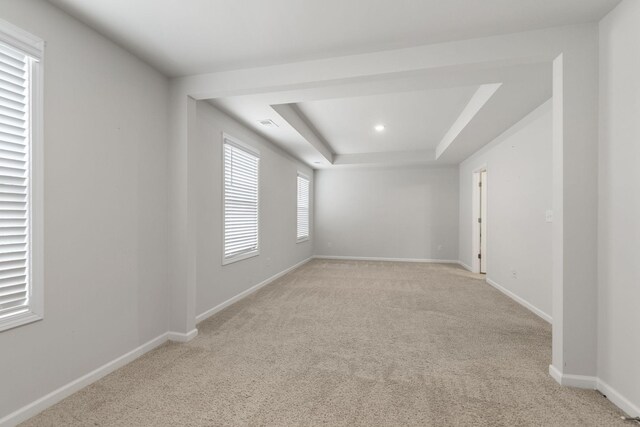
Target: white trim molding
column 595, row 383
column 579, row 381
column 475, row 214
column 304, row 177
column 465, row 266
column 521, row 301
column 253, row 151
column 68, row 389
column 32, row 47
column 180, row 337
column 618, row 399
column 555, row 374
column 28, row 43
column 245, row 293
column 360, row 258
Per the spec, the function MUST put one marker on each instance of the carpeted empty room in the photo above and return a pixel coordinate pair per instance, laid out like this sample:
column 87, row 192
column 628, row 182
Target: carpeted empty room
column 319, row 212
column 349, row 343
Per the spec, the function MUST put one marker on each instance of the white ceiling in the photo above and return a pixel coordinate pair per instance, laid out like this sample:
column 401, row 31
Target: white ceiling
column 250, row 112
column 198, row 36
column 332, row 125
column 413, row 121
column 437, row 115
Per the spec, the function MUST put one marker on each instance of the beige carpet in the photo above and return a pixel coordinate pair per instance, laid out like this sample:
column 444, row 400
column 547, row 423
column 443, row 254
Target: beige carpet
column 349, row 343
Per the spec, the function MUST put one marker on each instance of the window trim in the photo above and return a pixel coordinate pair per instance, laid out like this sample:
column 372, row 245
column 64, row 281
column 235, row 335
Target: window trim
column 308, row 236
column 228, row 139
column 32, row 47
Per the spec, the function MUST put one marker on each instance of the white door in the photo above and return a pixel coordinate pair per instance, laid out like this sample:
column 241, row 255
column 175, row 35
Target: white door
column 483, row 222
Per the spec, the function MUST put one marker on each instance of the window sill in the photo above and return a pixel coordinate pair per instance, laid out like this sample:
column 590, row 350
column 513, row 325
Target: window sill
column 236, row 258
column 19, row 320
column 304, row 239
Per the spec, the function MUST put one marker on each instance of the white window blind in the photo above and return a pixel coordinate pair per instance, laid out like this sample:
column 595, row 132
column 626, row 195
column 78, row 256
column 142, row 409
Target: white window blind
column 303, row 207
column 15, row 290
column 241, row 170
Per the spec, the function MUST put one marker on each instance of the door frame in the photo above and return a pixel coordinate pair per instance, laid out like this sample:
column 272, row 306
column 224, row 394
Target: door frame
column 475, row 214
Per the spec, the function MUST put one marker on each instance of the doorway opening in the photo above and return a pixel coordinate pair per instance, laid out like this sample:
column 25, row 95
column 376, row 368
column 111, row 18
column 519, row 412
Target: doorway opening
column 480, row 203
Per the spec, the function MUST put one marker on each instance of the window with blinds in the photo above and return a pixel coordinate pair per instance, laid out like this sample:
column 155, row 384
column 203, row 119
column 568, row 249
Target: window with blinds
column 303, row 208
column 241, row 171
column 20, row 299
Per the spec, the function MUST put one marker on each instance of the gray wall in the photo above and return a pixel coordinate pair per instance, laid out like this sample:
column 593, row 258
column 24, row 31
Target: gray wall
column 619, row 203
column 106, row 209
column 519, row 191
column 105, row 140
column 403, row 212
column 278, row 194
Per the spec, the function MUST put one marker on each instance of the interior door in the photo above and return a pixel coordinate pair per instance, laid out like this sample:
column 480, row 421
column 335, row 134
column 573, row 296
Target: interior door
column 483, row 221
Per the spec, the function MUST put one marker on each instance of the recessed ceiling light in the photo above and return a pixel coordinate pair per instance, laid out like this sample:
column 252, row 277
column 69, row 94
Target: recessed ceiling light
column 379, row 128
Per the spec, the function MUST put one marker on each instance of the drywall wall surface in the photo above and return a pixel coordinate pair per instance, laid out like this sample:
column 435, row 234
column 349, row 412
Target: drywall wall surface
column 519, row 194
column 403, row 212
column 217, row 283
column 619, row 203
column 105, row 143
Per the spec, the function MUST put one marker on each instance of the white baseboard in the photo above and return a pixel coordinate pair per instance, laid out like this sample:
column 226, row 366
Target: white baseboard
column 59, row 394
column 521, row 301
column 465, row 266
column 68, row 389
column 619, row 400
column 243, row 294
column 555, row 374
column 359, row 258
column 180, row 337
column 595, row 383
column 579, row 381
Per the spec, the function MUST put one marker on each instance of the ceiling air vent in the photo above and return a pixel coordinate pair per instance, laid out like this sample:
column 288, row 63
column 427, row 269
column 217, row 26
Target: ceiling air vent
column 268, row 123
